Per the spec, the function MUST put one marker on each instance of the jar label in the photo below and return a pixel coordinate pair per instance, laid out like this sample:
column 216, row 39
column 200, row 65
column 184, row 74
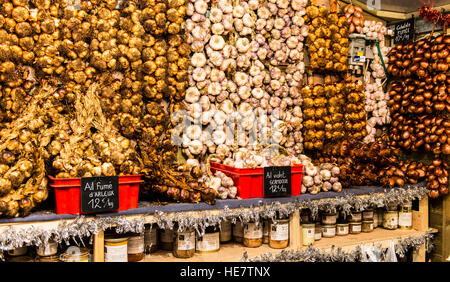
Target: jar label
column 238, row 229
column 186, row 241
column 116, row 253
column 393, row 221
column 405, row 219
column 136, row 245
column 280, row 232
column 342, row 230
column 356, row 216
column 208, row 242
column 310, row 233
column 166, row 236
column 252, row 231
column 356, row 228
column 329, row 231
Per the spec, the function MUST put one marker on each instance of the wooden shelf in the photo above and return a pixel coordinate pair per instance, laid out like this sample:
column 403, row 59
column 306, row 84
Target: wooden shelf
column 233, row 252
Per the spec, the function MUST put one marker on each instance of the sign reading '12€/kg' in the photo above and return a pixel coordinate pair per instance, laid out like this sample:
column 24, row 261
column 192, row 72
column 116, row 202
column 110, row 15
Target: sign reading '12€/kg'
column 277, row 181
column 99, row 194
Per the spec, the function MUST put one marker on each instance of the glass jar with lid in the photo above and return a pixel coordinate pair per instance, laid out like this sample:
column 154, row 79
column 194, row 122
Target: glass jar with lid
column 355, row 227
column 210, row 241
column 329, row 230
column 279, row 233
column 329, row 218
column 405, row 216
column 238, row 232
column 75, row 254
column 390, row 219
column 18, row 251
column 355, row 216
column 368, row 214
column 54, row 258
column 305, row 216
column 166, row 237
column 225, row 231
column 317, row 231
column 342, row 228
column 308, row 230
column 184, row 243
column 253, row 234
column 136, row 247
column 375, row 219
column 151, row 238
column 47, row 249
column 116, row 248
column 367, row 225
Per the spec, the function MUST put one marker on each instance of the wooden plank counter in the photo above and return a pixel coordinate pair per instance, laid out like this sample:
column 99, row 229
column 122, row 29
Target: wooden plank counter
column 233, row 252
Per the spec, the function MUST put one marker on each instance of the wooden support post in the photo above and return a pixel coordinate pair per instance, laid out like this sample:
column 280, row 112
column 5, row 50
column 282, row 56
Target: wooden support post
column 420, row 255
column 420, row 218
column 295, row 242
column 420, row 223
column 99, row 247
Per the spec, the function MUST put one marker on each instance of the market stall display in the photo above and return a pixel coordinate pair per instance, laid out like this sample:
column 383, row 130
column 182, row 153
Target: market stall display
column 263, row 106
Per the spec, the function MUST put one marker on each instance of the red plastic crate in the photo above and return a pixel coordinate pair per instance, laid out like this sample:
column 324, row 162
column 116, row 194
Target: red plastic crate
column 249, row 181
column 67, row 193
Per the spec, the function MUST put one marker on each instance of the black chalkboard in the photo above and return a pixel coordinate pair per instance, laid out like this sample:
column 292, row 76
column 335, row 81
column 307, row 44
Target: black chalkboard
column 404, row 31
column 277, row 181
column 99, row 194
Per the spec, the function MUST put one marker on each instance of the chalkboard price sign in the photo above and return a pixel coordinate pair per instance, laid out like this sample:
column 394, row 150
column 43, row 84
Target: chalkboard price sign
column 404, row 31
column 277, row 181
column 99, row 194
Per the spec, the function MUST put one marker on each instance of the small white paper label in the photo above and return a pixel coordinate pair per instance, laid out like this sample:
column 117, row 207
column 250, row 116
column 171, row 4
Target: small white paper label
column 208, row 242
column 280, row 232
column 252, row 231
column 186, row 240
column 405, row 219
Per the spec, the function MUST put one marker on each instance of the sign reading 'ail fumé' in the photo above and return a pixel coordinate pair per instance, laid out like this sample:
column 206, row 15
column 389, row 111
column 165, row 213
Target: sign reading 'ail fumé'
column 99, row 194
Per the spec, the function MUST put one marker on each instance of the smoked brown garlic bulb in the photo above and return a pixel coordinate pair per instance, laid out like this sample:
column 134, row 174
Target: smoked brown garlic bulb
column 419, row 97
column 437, row 178
column 334, row 128
column 327, row 39
column 23, row 182
column 314, row 114
column 371, row 164
column 355, row 116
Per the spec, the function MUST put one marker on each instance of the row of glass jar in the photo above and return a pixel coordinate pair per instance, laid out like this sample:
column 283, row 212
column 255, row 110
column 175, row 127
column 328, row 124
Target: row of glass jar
column 50, row 252
column 185, row 244
column 330, row 224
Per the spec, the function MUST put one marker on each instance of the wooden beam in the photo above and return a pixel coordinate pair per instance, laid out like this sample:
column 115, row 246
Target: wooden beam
column 420, row 255
column 99, row 247
column 389, row 14
column 295, row 235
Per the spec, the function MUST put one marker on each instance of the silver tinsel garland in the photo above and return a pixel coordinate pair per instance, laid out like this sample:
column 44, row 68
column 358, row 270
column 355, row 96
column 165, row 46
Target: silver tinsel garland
column 312, row 254
column 86, row 226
